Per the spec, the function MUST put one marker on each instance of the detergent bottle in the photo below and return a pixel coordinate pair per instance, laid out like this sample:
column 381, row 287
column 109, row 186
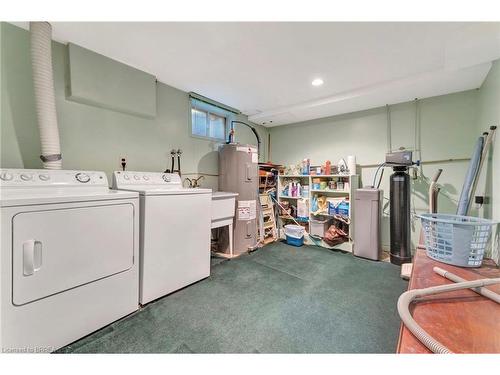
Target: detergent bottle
column 328, row 167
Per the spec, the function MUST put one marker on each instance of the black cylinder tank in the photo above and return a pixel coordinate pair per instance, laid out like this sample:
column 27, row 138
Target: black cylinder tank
column 400, row 216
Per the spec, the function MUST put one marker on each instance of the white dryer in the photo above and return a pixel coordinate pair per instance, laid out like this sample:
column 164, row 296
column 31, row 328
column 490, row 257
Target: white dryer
column 69, row 257
column 174, row 231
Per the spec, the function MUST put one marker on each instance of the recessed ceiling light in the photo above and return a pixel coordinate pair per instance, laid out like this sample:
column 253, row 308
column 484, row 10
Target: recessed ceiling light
column 317, row 82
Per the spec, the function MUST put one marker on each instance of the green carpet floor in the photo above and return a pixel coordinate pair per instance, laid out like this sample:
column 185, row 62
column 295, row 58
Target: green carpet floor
column 279, row 299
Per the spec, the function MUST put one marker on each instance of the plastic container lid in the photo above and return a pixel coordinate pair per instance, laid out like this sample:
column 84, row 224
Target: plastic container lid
column 296, row 231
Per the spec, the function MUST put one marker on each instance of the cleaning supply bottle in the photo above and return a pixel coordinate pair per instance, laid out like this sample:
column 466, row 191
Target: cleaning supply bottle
column 328, row 167
column 305, row 170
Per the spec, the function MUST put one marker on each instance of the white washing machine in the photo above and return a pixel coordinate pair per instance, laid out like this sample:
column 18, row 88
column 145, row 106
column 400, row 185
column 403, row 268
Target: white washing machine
column 69, row 257
column 174, row 231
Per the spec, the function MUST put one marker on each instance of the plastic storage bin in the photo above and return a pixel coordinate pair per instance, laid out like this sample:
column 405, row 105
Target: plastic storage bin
column 294, row 241
column 456, row 240
column 294, row 234
column 318, row 227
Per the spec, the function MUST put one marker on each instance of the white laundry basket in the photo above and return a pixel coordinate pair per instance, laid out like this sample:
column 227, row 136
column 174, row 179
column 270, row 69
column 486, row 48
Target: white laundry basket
column 456, row 240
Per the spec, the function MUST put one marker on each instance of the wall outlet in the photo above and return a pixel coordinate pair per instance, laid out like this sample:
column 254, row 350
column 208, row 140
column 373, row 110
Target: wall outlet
column 123, row 163
column 479, row 199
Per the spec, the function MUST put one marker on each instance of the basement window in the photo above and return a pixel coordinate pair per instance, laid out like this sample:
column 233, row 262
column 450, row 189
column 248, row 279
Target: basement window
column 208, row 122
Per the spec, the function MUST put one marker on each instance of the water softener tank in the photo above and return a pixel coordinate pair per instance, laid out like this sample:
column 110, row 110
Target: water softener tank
column 400, row 216
column 238, row 173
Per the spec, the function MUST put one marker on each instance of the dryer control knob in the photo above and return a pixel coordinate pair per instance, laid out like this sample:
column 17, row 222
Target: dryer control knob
column 126, row 177
column 166, row 178
column 6, row 176
column 146, row 178
column 137, row 177
column 44, row 177
column 26, row 177
column 82, row 177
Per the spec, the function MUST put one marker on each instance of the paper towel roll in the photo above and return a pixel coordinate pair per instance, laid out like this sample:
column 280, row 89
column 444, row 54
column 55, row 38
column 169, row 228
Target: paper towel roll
column 351, row 164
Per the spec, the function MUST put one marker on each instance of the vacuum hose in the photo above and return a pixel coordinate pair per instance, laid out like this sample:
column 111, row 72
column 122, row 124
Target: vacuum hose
column 408, row 297
column 43, row 82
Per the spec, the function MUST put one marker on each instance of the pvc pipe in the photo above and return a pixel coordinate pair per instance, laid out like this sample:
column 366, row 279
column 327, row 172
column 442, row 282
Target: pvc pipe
column 472, row 172
column 408, row 297
column 433, row 192
column 486, row 148
column 457, row 279
column 43, row 82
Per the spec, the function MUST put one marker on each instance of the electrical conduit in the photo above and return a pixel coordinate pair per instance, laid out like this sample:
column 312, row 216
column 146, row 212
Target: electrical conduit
column 43, row 82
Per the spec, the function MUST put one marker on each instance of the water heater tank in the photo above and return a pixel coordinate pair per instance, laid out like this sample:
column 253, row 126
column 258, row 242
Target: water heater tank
column 238, row 173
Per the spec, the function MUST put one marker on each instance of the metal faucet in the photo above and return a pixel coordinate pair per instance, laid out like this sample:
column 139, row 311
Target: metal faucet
column 195, row 182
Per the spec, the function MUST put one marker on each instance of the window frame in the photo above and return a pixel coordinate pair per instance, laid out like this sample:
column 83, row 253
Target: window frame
column 209, row 109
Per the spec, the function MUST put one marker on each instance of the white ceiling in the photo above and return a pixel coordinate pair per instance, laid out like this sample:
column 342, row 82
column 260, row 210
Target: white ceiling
column 266, row 69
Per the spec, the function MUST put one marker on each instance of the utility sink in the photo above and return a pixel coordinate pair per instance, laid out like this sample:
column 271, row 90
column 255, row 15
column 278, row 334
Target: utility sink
column 223, row 206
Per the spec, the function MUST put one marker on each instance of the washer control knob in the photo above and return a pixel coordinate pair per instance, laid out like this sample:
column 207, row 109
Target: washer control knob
column 166, row 178
column 126, row 177
column 82, row 177
column 146, row 178
column 26, row 177
column 137, row 177
column 44, row 177
column 6, row 176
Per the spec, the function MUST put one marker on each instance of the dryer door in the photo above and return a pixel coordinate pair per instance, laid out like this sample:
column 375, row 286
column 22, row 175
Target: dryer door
column 56, row 250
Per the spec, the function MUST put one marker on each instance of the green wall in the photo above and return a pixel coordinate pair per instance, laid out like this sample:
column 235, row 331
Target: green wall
column 94, row 138
column 448, row 129
column 489, row 114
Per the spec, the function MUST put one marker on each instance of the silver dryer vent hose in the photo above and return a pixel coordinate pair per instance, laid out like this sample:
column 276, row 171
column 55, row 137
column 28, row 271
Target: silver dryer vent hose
column 43, row 82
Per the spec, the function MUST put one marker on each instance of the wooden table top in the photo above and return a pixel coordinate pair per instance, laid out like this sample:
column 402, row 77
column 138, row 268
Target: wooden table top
column 463, row 321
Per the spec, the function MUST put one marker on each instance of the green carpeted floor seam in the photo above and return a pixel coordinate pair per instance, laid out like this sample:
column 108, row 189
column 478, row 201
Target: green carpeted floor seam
column 278, row 270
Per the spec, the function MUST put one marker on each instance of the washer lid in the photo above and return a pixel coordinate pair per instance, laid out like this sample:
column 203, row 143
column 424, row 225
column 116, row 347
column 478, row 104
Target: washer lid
column 155, row 190
column 153, row 183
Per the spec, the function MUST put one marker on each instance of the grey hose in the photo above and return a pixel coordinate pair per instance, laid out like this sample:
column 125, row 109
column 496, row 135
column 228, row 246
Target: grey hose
column 408, row 297
column 43, row 82
column 457, row 279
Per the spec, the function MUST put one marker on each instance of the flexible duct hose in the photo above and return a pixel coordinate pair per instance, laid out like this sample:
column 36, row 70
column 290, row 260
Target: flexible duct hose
column 43, row 81
column 408, row 297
